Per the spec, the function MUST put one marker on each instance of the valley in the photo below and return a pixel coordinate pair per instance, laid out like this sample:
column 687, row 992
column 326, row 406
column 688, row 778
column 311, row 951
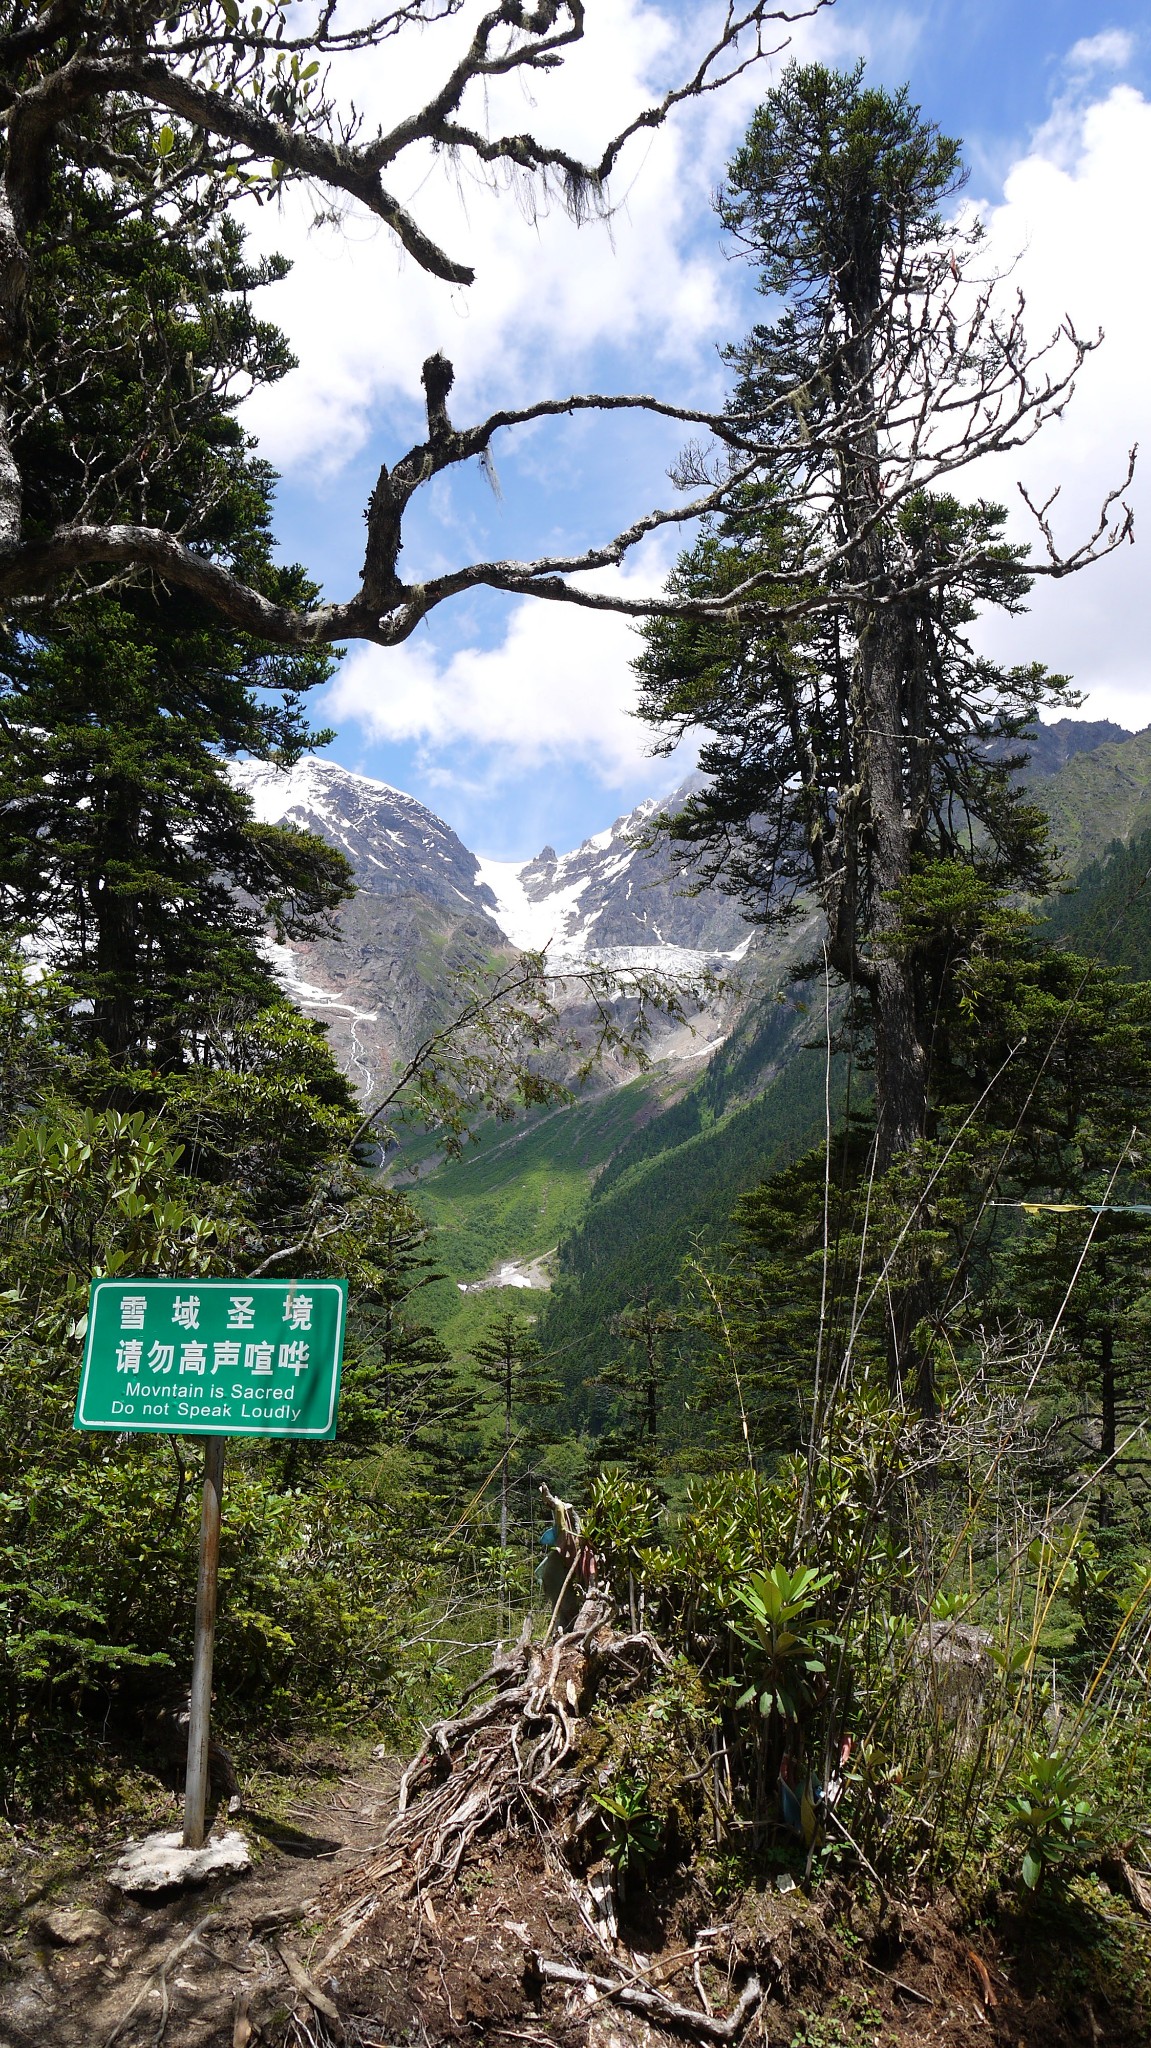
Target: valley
column 614, row 1189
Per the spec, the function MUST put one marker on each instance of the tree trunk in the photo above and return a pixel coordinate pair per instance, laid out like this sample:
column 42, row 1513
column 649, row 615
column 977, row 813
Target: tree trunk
column 1110, row 1436
column 900, row 1065
column 900, row 1062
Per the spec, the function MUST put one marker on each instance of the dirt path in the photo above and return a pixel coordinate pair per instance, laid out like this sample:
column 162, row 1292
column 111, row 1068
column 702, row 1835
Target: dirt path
column 219, row 1967
column 324, row 1945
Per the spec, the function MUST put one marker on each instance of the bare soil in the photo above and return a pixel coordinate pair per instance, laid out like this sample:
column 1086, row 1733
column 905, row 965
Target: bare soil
column 319, row 1944
column 182, row 1969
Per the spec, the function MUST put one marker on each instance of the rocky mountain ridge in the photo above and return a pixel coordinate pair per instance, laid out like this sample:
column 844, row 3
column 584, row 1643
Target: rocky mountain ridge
column 428, row 907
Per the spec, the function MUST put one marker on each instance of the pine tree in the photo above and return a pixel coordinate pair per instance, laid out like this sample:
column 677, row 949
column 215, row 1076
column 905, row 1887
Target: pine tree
column 508, row 1358
column 401, row 1387
column 124, row 848
column 847, row 757
column 640, row 1377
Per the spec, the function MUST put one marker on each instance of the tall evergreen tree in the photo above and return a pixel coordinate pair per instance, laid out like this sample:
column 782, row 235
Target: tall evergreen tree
column 508, row 1358
column 124, row 847
column 844, row 758
column 400, row 1385
column 640, row 1378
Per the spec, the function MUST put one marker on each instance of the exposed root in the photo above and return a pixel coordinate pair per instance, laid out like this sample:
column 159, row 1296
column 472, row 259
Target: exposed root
column 654, row 2005
column 498, row 1767
column 159, row 1980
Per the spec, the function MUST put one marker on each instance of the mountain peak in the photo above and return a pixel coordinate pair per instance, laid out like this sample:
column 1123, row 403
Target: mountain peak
column 608, row 900
column 397, row 846
column 611, row 901
column 1055, row 744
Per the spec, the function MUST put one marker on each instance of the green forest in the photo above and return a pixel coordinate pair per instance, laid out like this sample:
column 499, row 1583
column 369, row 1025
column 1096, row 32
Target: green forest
column 823, row 1456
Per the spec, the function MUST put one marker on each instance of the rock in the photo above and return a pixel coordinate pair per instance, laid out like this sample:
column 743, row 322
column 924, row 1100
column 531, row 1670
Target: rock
column 956, row 1645
column 68, row 1926
column 161, row 1861
column 951, row 1668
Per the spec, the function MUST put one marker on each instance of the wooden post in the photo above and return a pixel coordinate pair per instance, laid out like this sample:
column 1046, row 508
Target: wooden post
column 199, row 1720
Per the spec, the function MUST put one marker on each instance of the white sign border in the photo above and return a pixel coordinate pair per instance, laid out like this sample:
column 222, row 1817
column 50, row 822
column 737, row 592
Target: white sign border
column 209, row 1428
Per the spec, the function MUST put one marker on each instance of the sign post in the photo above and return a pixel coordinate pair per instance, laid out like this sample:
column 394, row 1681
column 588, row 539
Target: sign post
column 212, row 1358
column 200, row 1714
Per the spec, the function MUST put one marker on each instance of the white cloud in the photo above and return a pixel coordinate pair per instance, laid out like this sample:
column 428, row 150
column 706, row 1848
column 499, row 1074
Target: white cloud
column 646, row 283
column 362, row 316
column 655, row 290
column 1077, row 220
column 1074, row 228
column 556, row 688
column 1111, row 50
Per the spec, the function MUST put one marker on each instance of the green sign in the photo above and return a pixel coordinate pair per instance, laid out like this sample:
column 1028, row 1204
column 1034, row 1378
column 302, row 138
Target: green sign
column 214, row 1357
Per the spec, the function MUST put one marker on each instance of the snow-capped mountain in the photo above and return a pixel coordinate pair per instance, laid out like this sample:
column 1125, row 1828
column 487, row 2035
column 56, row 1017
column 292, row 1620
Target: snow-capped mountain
column 608, row 900
column 613, row 902
column 396, row 845
column 378, row 982
column 427, row 907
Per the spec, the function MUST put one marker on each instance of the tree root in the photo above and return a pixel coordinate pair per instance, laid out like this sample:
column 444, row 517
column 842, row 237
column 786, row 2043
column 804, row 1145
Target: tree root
column 158, row 1981
column 497, row 1766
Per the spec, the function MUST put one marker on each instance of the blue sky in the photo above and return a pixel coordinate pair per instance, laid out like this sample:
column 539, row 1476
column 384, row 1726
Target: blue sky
column 511, row 718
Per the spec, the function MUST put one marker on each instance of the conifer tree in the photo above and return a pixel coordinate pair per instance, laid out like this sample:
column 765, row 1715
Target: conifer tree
column 845, row 757
column 124, row 848
column 508, row 1358
column 639, row 1376
column 400, row 1386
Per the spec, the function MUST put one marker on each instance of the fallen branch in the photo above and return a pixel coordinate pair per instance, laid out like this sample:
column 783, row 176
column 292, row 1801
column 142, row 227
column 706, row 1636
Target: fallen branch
column 909, row 1990
column 653, row 2004
column 304, row 1985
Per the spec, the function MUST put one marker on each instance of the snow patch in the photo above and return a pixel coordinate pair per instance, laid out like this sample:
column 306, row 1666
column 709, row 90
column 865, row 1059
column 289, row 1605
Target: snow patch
column 286, row 968
column 535, row 925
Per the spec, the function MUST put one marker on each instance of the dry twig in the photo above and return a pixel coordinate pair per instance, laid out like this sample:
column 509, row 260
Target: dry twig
column 653, row 2004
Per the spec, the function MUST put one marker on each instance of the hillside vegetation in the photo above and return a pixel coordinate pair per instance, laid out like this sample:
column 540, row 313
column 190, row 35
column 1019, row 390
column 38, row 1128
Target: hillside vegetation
column 1107, row 912
column 1099, row 797
column 629, row 1186
column 763, row 1611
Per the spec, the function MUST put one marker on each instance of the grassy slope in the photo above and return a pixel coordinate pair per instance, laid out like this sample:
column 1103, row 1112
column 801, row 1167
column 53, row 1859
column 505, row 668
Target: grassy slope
column 1099, row 797
column 627, row 1184
column 517, row 1193
column 660, row 1206
column 514, row 1193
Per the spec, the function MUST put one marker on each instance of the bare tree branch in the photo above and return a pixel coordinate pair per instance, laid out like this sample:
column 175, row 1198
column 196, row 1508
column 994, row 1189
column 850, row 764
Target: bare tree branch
column 221, row 102
column 949, row 371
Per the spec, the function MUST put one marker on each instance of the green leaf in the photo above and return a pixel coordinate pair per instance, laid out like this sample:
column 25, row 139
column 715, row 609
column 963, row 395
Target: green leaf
column 164, row 141
column 1032, row 1869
